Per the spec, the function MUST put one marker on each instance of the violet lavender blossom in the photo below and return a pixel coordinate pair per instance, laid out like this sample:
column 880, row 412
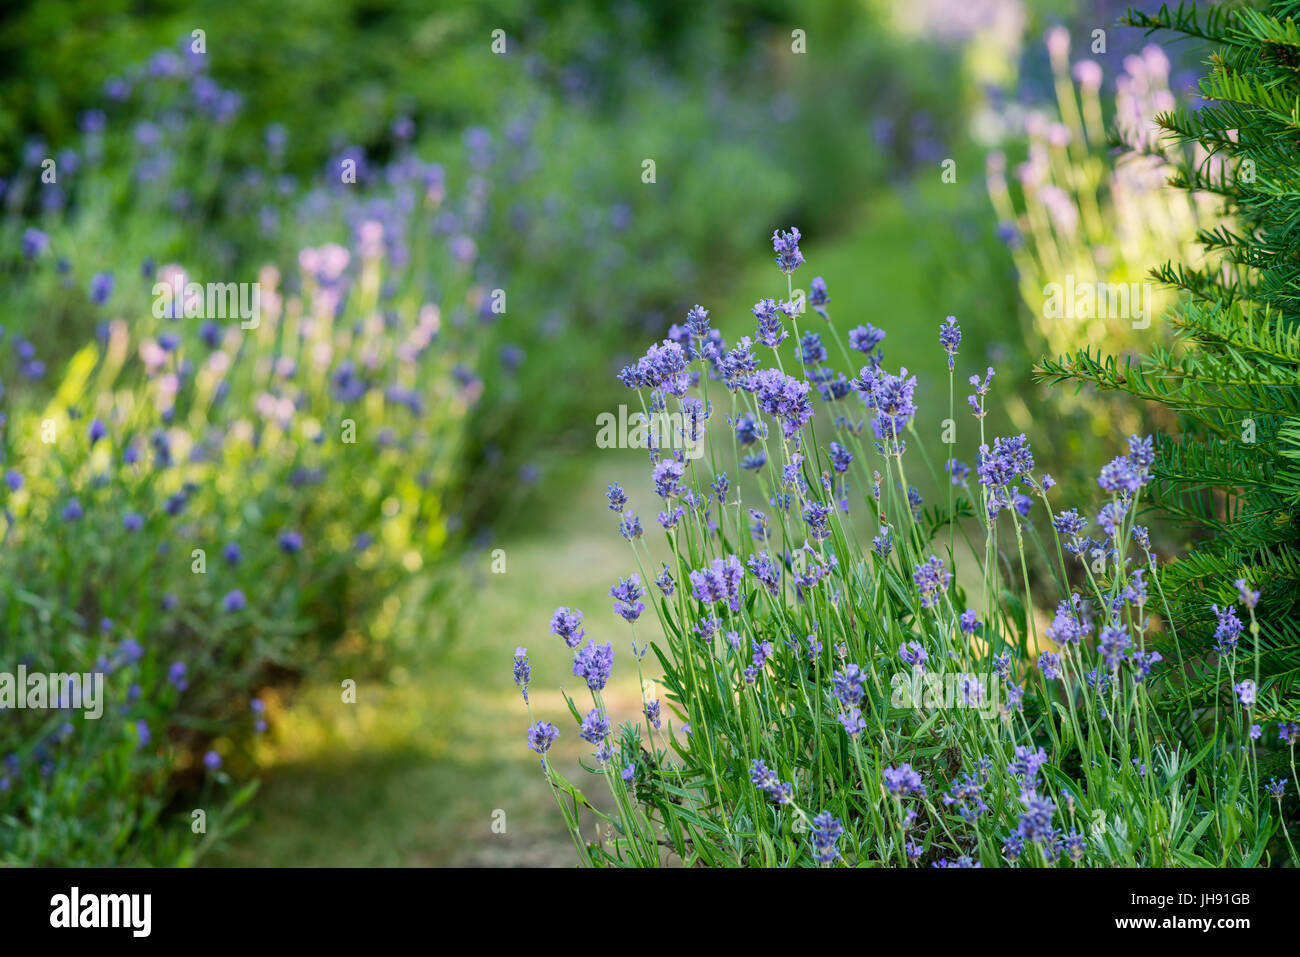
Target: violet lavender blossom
column 786, row 247
column 626, row 595
column 567, row 623
column 950, row 338
column 593, row 663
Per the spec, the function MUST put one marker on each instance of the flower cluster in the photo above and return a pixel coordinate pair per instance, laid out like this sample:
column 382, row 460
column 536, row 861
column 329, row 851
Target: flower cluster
column 853, row 675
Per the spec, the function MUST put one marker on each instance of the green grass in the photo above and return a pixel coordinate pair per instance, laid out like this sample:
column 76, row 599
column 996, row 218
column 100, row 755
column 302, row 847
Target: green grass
column 412, row 774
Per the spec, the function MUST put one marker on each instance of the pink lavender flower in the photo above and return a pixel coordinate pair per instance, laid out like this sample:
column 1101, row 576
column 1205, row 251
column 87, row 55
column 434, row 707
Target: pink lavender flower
column 1088, row 73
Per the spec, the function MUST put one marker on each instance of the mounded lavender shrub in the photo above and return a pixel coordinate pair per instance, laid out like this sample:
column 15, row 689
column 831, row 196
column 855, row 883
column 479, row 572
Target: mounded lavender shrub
column 840, row 690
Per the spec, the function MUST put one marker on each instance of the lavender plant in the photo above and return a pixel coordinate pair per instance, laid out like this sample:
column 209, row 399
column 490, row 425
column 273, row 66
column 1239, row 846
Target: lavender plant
column 195, row 514
column 838, row 690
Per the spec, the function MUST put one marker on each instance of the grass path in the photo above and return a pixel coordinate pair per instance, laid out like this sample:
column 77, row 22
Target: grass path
column 412, row 774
